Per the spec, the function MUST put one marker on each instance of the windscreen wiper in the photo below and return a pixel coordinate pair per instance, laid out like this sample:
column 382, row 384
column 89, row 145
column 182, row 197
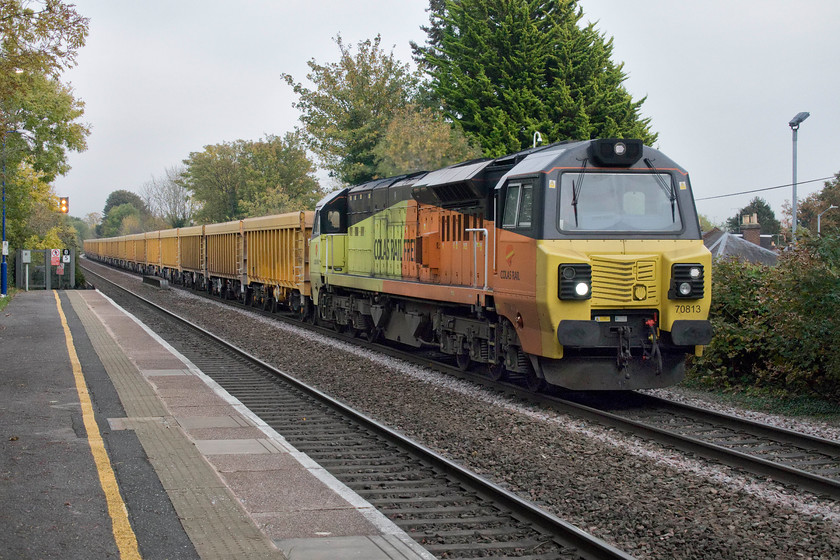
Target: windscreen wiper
column 668, row 190
column 576, row 190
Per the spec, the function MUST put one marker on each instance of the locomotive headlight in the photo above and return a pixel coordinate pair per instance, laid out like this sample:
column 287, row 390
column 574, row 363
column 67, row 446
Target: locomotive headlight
column 687, row 281
column 574, row 281
column 620, row 148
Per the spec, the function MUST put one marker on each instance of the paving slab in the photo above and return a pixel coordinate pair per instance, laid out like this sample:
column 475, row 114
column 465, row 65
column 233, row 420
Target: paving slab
column 223, row 465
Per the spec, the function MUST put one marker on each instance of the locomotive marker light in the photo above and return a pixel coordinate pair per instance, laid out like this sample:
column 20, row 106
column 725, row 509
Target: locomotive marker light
column 686, row 281
column 794, row 126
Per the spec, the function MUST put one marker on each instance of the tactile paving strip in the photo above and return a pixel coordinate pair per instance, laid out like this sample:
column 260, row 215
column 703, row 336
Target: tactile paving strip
column 212, row 517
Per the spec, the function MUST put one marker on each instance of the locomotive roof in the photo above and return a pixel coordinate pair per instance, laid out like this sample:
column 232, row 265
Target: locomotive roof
column 474, row 179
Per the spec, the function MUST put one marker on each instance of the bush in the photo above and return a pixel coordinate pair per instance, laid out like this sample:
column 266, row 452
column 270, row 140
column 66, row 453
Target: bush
column 777, row 328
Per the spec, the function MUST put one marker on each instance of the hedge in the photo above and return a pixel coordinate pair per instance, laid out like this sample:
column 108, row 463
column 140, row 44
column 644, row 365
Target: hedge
column 777, row 328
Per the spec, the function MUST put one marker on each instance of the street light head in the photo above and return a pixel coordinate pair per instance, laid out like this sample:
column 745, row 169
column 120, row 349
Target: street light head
column 797, row 120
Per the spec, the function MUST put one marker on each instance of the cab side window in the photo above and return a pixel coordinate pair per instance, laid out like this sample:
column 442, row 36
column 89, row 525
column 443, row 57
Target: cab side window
column 519, row 206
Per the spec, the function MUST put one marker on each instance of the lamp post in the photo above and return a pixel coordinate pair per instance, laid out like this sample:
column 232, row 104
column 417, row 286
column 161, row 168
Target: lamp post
column 820, row 216
column 794, row 126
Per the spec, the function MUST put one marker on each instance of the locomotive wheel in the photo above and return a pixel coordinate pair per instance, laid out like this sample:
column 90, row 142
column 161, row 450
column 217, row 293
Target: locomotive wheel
column 463, row 361
column 498, row 372
column 373, row 334
column 535, row 383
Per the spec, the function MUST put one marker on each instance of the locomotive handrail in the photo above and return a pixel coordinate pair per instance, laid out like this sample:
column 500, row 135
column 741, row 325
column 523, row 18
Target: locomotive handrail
column 475, row 255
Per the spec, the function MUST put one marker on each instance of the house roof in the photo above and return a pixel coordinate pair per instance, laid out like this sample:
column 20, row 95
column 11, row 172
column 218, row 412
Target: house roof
column 724, row 245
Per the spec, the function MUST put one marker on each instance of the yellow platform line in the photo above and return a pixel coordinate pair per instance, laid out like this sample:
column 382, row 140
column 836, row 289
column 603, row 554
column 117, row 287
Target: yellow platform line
column 123, row 533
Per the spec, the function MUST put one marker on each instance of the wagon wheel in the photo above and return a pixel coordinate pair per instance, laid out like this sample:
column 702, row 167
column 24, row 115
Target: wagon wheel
column 463, row 361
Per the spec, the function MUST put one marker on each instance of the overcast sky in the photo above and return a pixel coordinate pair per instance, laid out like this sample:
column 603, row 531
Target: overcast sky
column 161, row 79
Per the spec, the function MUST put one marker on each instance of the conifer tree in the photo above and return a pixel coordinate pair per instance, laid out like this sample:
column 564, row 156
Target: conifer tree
column 504, row 69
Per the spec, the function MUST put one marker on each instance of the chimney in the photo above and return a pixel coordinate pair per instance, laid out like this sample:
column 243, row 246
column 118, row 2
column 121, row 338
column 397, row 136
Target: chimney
column 751, row 229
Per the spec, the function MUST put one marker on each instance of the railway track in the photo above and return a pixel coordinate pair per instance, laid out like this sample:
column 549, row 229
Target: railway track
column 789, row 457
column 450, row 511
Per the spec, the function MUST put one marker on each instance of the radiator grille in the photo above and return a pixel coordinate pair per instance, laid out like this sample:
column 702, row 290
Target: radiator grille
column 624, row 281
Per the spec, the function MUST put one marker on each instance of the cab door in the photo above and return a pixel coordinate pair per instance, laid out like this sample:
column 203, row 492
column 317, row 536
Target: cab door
column 516, row 250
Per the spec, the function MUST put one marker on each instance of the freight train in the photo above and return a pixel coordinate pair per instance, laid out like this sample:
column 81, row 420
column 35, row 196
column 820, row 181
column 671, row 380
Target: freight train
column 579, row 264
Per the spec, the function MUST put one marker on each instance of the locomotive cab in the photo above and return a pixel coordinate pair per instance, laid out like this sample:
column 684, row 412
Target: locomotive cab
column 621, row 277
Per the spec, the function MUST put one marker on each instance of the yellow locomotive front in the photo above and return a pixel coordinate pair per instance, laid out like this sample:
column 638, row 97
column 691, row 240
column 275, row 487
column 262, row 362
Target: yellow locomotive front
column 623, row 278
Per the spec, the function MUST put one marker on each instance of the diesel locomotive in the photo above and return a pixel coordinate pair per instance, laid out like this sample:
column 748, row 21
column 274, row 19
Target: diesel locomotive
column 578, row 264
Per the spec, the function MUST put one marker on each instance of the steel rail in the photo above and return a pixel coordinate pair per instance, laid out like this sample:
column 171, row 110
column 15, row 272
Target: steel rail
column 757, row 465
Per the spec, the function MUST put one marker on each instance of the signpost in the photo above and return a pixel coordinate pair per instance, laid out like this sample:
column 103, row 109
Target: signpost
column 26, row 258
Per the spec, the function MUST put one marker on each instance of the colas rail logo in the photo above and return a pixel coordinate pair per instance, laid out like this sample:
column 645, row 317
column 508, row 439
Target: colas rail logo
column 509, row 274
column 509, row 253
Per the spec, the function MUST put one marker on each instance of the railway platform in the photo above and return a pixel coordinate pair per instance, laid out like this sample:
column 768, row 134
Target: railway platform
column 115, row 446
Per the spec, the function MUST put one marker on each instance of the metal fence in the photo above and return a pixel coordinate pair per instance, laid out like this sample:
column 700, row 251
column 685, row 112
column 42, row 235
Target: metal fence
column 45, row 269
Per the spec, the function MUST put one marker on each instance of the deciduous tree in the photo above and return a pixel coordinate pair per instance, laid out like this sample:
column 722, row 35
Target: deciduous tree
column 212, row 176
column 243, row 178
column 819, row 202
column 112, row 224
column 168, row 199
column 279, row 176
column 37, row 38
column 353, row 101
column 419, row 139
column 38, row 114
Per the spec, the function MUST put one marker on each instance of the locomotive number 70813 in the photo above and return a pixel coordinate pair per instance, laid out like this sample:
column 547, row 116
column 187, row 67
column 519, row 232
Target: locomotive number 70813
column 688, row 308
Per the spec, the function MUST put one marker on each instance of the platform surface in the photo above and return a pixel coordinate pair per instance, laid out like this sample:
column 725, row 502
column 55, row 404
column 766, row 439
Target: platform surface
column 86, row 390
